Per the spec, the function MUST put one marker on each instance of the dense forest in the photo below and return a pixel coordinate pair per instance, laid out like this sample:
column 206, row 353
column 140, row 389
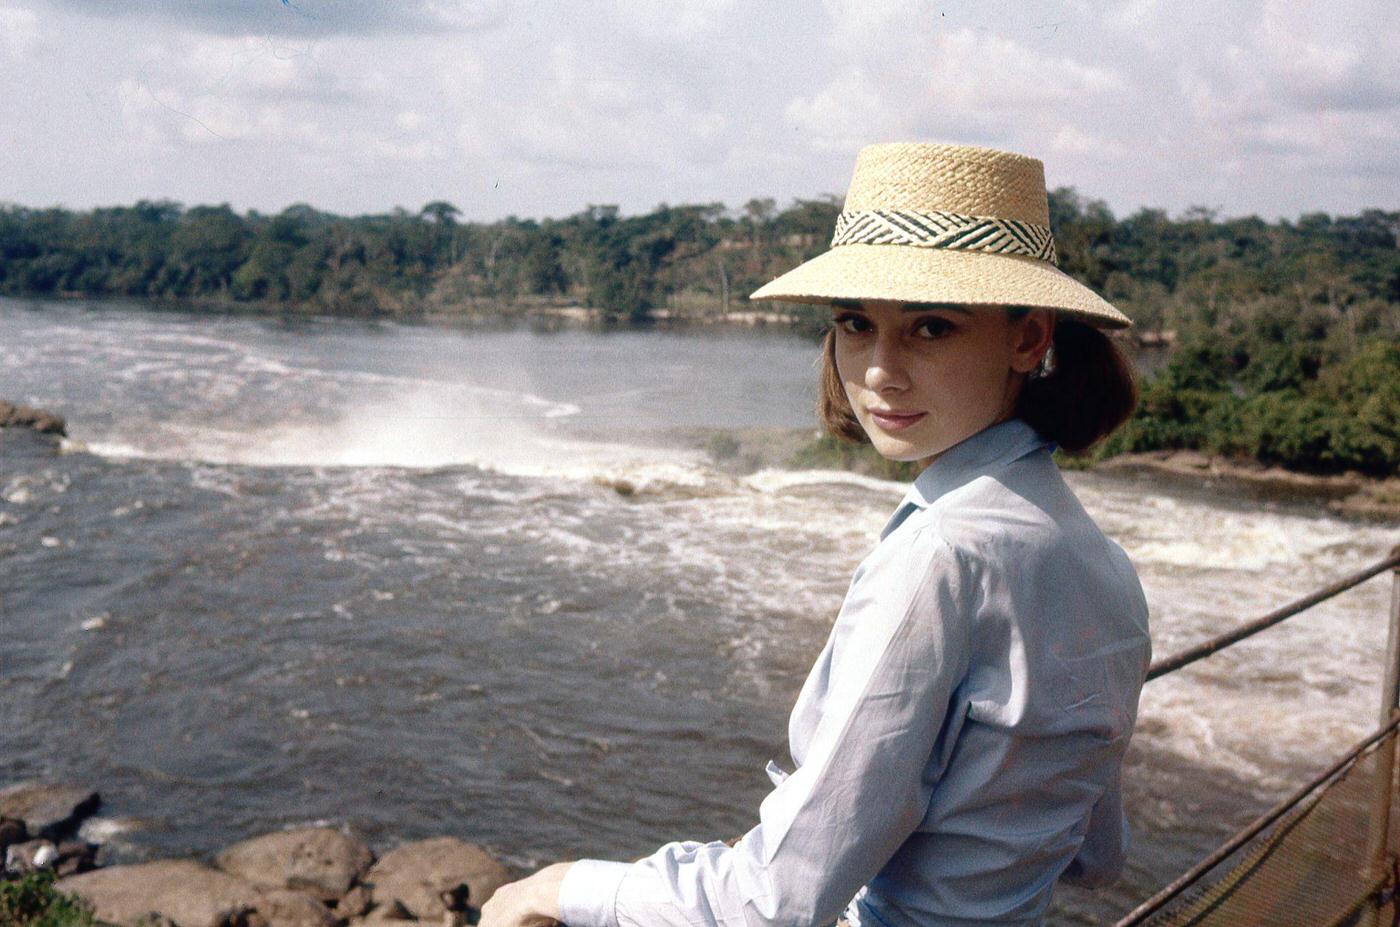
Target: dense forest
column 1284, row 337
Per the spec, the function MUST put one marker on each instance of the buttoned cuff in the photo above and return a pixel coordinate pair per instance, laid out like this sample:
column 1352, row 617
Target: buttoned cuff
column 588, row 893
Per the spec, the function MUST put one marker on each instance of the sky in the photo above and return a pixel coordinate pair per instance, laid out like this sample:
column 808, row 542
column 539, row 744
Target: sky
column 540, row 108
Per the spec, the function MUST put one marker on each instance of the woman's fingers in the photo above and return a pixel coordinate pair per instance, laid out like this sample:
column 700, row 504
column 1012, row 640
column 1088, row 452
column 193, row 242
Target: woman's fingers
column 511, row 906
column 530, row 902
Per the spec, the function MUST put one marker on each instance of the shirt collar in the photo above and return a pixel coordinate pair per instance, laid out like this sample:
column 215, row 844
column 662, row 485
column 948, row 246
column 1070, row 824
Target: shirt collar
column 989, row 449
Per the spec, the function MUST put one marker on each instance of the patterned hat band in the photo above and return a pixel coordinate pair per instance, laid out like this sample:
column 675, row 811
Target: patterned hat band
column 944, row 230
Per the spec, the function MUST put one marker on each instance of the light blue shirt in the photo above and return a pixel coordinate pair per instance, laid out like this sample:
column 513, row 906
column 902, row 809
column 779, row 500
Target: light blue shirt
column 958, row 742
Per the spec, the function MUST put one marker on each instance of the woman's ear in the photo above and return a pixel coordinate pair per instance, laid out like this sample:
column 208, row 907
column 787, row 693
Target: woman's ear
column 1031, row 337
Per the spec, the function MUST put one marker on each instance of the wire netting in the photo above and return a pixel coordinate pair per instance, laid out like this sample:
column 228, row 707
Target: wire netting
column 1318, row 866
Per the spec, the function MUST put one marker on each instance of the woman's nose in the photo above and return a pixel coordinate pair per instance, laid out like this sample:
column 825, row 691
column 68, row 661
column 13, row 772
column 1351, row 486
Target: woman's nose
column 886, row 368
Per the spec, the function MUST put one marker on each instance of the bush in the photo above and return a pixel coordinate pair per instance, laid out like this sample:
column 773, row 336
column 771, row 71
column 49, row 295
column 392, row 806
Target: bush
column 826, row 452
column 1169, row 418
column 1278, row 409
column 722, row 446
column 32, row 901
column 1365, row 392
column 1290, row 430
column 1279, row 367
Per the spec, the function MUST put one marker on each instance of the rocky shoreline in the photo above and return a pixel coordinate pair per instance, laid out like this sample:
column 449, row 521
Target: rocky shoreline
column 1347, row 494
column 306, row 877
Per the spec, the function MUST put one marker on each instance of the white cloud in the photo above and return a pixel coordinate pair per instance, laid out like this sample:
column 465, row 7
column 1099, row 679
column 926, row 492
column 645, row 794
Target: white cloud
column 140, row 112
column 998, row 72
column 1293, row 93
column 953, row 85
column 850, row 110
column 19, row 30
column 866, row 23
column 1070, row 140
column 220, row 89
column 534, row 107
column 673, row 20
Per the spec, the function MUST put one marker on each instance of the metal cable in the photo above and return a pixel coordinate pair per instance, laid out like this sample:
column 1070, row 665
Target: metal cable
column 1177, row 660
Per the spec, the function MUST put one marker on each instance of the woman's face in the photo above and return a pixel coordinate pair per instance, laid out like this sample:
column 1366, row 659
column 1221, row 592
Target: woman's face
column 920, row 378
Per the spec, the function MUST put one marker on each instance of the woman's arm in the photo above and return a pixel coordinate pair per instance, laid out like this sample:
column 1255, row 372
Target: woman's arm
column 1100, row 857
column 861, row 790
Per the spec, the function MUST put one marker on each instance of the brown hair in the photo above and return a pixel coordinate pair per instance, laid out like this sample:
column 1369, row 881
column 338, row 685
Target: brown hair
column 1088, row 390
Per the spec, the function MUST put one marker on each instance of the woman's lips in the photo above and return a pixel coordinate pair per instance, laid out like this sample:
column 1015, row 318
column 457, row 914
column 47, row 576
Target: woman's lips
column 895, row 421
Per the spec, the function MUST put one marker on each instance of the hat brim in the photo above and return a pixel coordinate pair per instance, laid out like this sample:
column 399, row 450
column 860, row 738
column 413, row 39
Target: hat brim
column 933, row 275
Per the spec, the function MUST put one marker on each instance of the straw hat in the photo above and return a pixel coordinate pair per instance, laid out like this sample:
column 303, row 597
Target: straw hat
column 944, row 224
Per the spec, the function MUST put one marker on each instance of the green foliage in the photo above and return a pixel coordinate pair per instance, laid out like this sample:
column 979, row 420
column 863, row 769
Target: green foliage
column 32, row 901
column 1286, row 333
column 1346, row 418
column 1275, row 367
column 1365, row 392
column 828, row 453
column 722, row 446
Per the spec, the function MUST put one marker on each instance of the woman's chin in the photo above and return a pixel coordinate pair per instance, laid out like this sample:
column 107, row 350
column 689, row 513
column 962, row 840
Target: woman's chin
column 898, row 450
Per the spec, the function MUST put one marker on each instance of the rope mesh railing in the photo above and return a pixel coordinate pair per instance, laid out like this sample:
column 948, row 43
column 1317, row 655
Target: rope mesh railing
column 1307, row 861
column 1323, row 856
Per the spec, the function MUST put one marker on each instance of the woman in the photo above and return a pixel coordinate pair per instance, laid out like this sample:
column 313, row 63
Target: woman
column 958, row 741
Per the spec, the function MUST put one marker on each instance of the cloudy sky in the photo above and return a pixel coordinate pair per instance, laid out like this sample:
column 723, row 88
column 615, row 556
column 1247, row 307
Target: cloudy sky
column 541, row 107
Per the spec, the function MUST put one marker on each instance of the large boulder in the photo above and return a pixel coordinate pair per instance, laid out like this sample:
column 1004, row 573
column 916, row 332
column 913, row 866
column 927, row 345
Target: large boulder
column 75, row 856
column 186, row 892
column 382, row 918
column 285, row 908
column 418, row 875
column 47, row 809
column 318, row 860
column 354, row 903
column 12, row 415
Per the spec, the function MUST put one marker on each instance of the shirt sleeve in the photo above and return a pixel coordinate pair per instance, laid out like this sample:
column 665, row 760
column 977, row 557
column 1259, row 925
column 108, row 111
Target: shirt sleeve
column 863, row 786
column 1101, row 855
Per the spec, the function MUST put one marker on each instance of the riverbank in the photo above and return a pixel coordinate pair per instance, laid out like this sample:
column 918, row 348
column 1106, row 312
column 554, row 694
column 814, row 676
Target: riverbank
column 317, row 876
column 547, row 312
column 550, row 313
column 1348, row 494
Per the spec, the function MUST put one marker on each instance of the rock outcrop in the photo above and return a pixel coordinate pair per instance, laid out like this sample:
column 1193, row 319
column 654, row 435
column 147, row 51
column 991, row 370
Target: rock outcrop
column 48, row 811
column 186, row 892
column 318, row 860
column 425, row 876
column 306, row 877
column 16, row 416
column 1344, row 493
column 286, row 908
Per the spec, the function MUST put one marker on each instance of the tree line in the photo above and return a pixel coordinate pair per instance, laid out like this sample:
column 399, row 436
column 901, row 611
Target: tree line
column 1283, row 337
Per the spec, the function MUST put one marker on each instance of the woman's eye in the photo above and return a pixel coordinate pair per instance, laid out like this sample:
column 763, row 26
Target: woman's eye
column 851, row 324
column 933, row 328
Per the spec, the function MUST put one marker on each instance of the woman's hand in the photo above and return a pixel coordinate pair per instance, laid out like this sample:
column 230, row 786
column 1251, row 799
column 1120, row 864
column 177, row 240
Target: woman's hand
column 531, row 902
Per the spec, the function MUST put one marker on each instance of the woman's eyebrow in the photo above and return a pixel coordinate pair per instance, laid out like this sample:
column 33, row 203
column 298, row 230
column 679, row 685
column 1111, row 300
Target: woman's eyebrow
column 926, row 307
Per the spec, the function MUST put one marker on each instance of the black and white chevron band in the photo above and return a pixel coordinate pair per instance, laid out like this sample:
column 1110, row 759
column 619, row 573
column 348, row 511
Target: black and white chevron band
column 944, row 230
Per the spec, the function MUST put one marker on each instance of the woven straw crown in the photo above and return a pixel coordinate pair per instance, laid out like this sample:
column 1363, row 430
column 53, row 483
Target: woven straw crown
column 944, row 224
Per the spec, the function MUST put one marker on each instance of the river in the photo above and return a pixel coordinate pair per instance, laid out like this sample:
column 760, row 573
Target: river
column 424, row 581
